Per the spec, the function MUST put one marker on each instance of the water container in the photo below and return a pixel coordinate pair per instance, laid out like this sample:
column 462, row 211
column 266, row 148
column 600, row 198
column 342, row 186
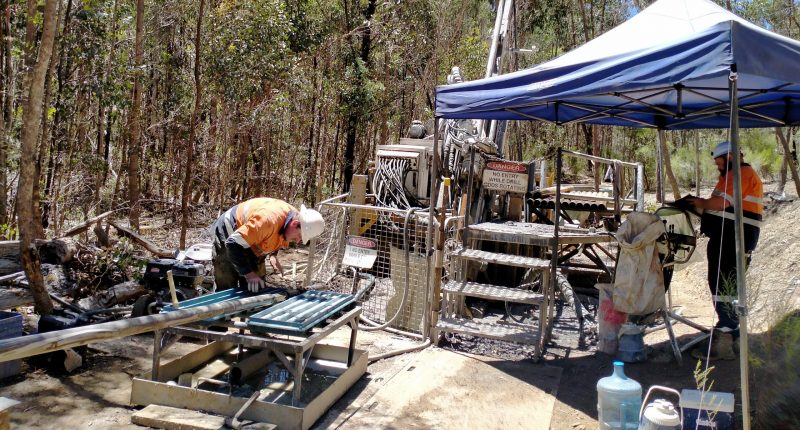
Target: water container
column 631, row 344
column 661, row 414
column 619, row 400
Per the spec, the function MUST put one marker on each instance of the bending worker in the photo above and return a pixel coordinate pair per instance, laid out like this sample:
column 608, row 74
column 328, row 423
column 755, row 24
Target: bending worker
column 252, row 230
column 718, row 224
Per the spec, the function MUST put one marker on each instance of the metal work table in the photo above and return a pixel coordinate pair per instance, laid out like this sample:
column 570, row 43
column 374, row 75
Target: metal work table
column 299, row 347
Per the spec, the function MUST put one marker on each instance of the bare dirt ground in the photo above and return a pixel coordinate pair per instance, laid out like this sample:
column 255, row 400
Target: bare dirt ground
column 96, row 396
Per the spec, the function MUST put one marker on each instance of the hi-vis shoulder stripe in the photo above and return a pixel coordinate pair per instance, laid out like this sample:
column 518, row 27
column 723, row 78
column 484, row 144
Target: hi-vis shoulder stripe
column 725, row 196
column 730, row 216
column 729, row 199
column 754, row 199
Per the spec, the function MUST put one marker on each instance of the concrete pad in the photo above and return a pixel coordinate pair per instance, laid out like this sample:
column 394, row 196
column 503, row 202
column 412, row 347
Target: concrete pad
column 446, row 390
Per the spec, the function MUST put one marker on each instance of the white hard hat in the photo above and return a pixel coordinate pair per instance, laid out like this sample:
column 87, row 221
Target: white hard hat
column 311, row 224
column 724, row 148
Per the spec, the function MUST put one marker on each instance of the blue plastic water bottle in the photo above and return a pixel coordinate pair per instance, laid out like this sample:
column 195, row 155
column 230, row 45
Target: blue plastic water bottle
column 619, row 399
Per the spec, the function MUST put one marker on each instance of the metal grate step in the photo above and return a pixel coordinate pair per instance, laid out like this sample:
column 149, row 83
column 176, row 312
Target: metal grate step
column 504, row 332
column 493, row 292
column 504, row 259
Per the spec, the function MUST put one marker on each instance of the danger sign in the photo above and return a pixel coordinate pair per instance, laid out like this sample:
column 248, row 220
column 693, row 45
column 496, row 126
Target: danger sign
column 506, row 176
column 360, row 252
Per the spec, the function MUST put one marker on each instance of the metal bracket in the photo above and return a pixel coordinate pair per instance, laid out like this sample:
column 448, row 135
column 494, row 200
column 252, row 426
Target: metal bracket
column 741, row 310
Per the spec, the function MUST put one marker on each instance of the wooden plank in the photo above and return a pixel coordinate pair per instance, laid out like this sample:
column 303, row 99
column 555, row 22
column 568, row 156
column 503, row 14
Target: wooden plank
column 15, row 297
column 358, row 192
column 26, row 346
column 165, row 417
column 147, row 244
column 145, row 392
column 211, row 370
column 192, row 360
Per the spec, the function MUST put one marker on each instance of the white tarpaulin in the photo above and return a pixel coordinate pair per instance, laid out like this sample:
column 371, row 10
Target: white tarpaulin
column 639, row 280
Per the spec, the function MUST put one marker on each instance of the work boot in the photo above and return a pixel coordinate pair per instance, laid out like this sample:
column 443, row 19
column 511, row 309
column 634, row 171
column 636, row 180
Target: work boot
column 721, row 347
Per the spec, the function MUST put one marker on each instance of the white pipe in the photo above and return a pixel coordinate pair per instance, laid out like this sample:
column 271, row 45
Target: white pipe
column 412, row 348
column 389, row 329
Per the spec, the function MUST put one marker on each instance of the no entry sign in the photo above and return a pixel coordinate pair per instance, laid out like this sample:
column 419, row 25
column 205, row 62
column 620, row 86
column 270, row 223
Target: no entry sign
column 506, row 176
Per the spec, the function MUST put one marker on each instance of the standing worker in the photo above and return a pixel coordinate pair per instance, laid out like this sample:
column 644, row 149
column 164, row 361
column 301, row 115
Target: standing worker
column 252, row 230
column 718, row 224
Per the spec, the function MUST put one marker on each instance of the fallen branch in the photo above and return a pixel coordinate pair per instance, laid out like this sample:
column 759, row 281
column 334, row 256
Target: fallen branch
column 80, row 228
column 15, row 297
column 9, row 248
column 148, row 245
column 9, row 266
column 11, row 277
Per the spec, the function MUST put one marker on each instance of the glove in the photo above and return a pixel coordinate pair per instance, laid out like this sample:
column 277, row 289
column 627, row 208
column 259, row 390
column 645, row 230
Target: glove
column 254, row 282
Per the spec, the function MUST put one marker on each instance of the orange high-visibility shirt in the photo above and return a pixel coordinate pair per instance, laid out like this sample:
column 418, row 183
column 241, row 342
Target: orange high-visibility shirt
column 259, row 224
column 752, row 195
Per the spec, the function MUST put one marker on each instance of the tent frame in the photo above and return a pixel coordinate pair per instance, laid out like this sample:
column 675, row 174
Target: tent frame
column 633, row 102
column 732, row 107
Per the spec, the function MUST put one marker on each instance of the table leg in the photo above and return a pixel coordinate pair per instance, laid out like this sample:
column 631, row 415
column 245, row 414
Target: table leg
column 352, row 346
column 156, row 354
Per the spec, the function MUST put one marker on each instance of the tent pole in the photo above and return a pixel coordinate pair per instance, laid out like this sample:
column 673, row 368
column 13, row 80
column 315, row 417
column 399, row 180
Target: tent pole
column 660, row 167
column 741, row 305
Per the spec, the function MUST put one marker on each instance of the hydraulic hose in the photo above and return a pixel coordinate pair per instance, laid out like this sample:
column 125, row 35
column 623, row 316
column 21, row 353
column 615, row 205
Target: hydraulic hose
column 411, row 348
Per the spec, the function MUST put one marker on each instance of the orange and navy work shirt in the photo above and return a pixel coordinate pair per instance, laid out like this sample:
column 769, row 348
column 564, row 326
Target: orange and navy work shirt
column 257, row 224
column 752, row 196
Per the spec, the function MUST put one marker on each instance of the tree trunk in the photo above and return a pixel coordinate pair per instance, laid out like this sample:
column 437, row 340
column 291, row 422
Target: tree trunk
column 354, row 116
column 662, row 142
column 186, row 190
column 790, row 155
column 42, row 211
column 783, row 174
column 30, row 134
column 697, row 178
column 5, row 94
column 134, row 126
column 103, row 126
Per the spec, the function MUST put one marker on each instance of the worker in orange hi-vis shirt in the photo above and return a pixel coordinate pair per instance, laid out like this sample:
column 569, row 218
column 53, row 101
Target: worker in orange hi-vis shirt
column 252, row 230
column 717, row 223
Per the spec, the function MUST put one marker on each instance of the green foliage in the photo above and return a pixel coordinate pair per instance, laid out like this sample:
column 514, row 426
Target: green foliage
column 702, row 377
column 8, row 231
column 759, row 148
column 247, row 46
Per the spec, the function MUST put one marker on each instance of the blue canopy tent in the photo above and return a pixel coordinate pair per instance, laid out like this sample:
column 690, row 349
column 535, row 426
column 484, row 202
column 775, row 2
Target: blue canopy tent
column 668, row 67
column 673, row 66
